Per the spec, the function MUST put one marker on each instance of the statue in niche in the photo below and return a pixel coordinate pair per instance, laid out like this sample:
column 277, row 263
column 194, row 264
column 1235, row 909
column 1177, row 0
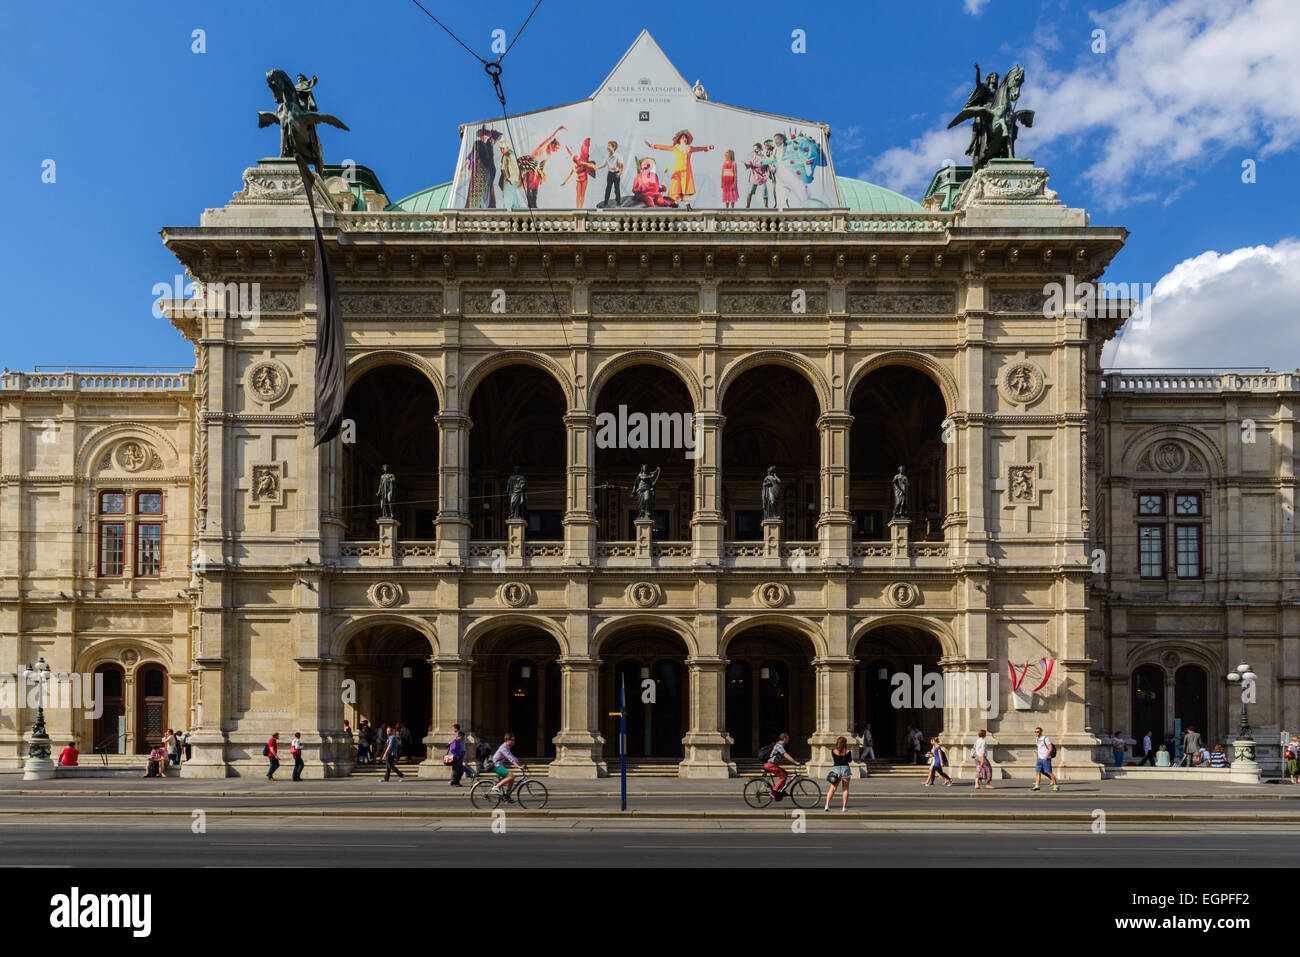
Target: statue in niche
column 644, row 491
column 517, row 493
column 771, row 493
column 387, row 485
column 900, row 495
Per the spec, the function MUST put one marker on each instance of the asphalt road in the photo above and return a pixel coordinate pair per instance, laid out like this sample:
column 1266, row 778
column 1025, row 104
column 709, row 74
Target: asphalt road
column 129, row 842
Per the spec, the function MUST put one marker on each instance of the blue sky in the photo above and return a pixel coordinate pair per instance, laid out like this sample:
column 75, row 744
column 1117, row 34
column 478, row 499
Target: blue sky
column 1149, row 133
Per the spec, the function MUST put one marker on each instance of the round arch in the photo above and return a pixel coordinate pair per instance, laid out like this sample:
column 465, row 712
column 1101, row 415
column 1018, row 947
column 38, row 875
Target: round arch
column 484, row 627
column 355, row 625
column 98, row 442
column 942, row 378
column 613, row 627
column 1150, row 437
column 110, row 653
column 625, row 360
column 933, row 627
column 475, row 374
column 801, row 626
column 789, row 360
column 370, row 361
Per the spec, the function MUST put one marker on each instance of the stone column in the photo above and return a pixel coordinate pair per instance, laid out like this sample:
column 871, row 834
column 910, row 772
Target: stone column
column 579, row 516
column 834, row 691
column 451, row 705
column 452, row 523
column 835, row 526
column 579, row 744
column 708, row 524
column 707, row 746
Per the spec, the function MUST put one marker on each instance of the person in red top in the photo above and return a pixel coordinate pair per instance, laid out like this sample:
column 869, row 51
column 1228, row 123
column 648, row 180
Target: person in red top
column 68, row 758
column 272, row 752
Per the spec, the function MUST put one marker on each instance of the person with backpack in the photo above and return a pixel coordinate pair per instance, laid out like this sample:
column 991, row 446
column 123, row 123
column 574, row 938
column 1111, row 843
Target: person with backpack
column 272, row 751
column 295, row 750
column 842, row 772
column 392, row 751
column 772, row 755
column 938, row 760
column 1046, row 751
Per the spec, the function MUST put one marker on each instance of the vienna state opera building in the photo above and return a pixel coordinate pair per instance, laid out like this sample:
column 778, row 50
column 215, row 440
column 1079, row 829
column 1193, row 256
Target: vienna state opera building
column 1075, row 549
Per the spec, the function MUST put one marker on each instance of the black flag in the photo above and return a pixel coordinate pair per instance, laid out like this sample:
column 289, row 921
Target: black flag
column 330, row 359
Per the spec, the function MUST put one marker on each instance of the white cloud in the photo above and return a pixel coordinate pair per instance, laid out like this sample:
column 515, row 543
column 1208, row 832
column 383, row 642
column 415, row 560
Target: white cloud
column 973, row 7
column 1219, row 310
column 1179, row 85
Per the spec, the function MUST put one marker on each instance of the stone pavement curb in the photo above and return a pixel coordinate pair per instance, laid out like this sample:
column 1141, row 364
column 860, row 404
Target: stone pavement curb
column 987, row 817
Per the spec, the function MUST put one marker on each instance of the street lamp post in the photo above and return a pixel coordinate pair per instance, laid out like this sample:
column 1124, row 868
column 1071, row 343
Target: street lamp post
column 1243, row 757
column 38, row 766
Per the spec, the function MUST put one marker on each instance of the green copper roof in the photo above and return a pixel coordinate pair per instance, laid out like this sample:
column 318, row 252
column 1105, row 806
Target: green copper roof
column 428, row 200
column 859, row 196
column 863, row 197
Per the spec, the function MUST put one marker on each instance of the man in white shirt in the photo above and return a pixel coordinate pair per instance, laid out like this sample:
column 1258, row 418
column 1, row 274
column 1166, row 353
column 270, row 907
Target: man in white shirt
column 1044, row 763
column 1148, row 750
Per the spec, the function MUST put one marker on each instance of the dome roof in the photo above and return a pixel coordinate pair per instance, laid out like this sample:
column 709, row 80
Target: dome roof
column 858, row 195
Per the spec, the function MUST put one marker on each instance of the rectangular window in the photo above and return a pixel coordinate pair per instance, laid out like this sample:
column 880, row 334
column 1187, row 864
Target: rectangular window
column 1187, row 550
column 1151, row 503
column 112, row 544
column 148, row 550
column 112, row 503
column 1151, row 550
column 1187, row 503
column 148, row 503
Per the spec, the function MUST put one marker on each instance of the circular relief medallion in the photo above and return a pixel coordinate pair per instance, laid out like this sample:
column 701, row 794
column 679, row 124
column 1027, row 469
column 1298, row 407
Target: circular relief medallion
column 644, row 594
column 1170, row 457
column 130, row 657
column 384, row 594
column 267, row 381
column 1022, row 382
column 902, row 594
column 772, row 594
column 132, row 456
column 514, row 594
column 1170, row 660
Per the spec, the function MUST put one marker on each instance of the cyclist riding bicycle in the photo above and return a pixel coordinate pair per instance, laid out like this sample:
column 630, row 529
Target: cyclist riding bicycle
column 502, row 757
column 772, row 764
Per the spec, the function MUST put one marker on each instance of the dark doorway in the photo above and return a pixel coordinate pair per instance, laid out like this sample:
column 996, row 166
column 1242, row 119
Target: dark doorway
column 896, row 665
column 740, row 703
column 1191, row 699
column 150, row 707
column 651, row 666
column 1149, row 704
column 417, row 702
column 879, row 712
column 109, row 730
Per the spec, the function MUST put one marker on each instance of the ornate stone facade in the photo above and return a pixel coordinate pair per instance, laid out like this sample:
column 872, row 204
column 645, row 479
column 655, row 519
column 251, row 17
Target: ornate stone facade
column 278, row 592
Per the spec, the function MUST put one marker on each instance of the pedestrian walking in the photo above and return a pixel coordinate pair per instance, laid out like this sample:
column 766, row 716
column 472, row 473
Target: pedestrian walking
column 272, row 751
column 1191, row 744
column 983, row 766
column 364, row 734
column 841, row 773
column 917, row 739
column 868, row 751
column 456, row 749
column 189, row 748
column 1046, row 751
column 404, row 736
column 938, row 761
column 1118, row 747
column 1148, row 750
column 169, row 747
column 295, row 749
column 1292, row 755
column 392, row 751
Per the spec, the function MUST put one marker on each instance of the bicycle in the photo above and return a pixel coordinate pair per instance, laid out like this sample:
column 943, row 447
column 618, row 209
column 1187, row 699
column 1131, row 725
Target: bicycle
column 529, row 793
column 803, row 791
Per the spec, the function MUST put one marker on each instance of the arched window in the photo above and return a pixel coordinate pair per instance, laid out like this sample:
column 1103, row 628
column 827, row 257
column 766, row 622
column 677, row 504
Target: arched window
column 1149, row 703
column 1191, row 698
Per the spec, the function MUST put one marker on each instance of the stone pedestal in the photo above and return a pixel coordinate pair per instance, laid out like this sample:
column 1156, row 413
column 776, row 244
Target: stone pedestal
column 515, row 529
column 645, row 531
column 771, row 543
column 899, row 530
column 1245, row 768
column 38, row 765
column 208, row 749
column 387, row 539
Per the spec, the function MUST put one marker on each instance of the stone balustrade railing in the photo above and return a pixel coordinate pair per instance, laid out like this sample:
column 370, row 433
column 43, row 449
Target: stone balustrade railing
column 112, row 382
column 1208, row 380
column 642, row 221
